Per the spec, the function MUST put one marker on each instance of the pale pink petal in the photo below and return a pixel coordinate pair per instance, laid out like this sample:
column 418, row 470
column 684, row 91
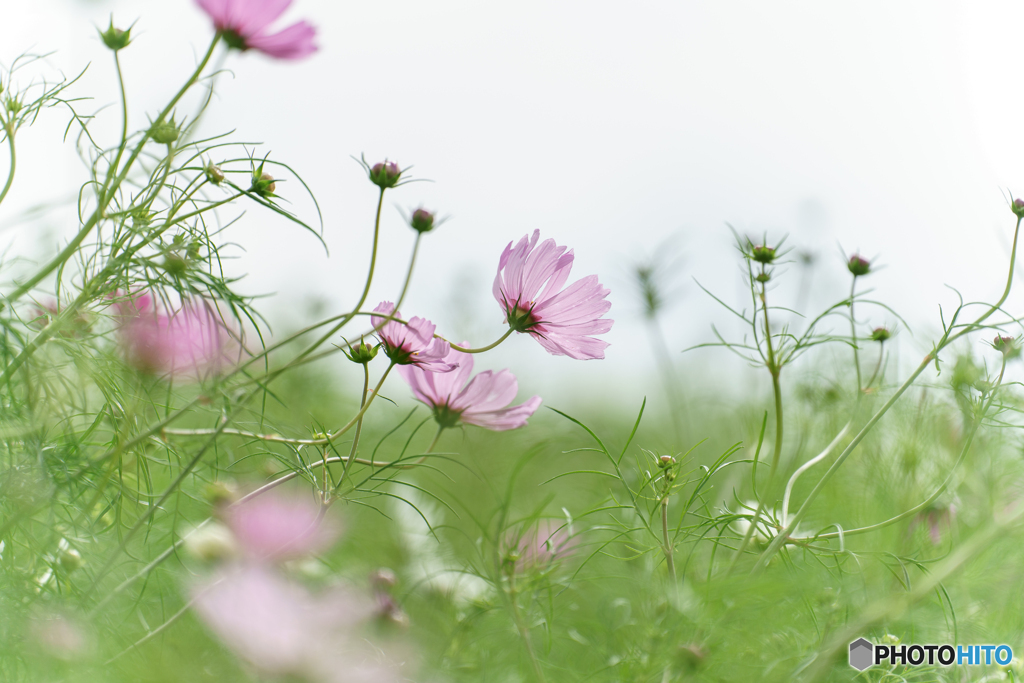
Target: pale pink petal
column 528, row 288
column 481, row 402
column 274, row 526
column 505, row 418
column 294, row 42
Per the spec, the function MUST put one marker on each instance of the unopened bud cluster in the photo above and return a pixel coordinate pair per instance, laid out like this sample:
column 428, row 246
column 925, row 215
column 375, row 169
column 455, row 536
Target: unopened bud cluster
column 115, row 38
column 1018, row 207
column 385, row 174
column 362, row 353
column 1008, row 346
column 763, row 254
column 422, row 220
column 858, row 266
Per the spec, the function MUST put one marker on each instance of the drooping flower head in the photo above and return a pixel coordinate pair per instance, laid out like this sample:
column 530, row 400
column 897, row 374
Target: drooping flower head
column 190, row 341
column 528, row 288
column 411, row 343
column 244, row 24
column 483, row 402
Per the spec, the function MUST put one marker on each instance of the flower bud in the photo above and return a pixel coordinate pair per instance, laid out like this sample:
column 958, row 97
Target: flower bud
column 666, row 461
column 213, row 173
column 880, row 334
column 763, row 277
column 165, row 132
column 858, row 266
column 1018, row 207
column 362, row 353
column 70, row 560
column 263, row 185
column 175, row 265
column 1008, row 346
column 422, row 220
column 220, row 493
column 13, row 104
column 385, row 174
column 211, row 542
column 763, row 254
column 115, row 38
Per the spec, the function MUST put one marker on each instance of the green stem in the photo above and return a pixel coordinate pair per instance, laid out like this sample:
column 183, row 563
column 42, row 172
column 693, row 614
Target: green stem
column 853, row 335
column 9, row 129
column 524, row 631
column 362, row 411
column 482, row 348
column 775, row 370
column 408, row 275
column 112, row 170
column 947, row 338
column 669, row 553
column 878, row 365
column 366, row 289
column 359, row 429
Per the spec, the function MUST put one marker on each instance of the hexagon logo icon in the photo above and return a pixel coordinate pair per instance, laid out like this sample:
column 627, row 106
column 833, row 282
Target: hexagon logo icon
column 861, row 654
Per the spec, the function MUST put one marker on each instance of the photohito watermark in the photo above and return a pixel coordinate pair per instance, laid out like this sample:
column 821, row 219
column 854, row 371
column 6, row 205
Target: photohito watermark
column 864, row 654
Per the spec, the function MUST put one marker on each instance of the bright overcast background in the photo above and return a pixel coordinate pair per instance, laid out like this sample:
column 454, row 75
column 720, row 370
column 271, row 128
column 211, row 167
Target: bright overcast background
column 889, row 128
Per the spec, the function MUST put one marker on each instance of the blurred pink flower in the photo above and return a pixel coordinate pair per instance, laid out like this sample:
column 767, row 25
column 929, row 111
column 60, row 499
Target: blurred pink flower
column 412, row 343
column 482, row 402
column 59, row 636
column 192, row 340
column 561, row 320
column 244, row 24
column 273, row 526
column 282, row 629
column 540, row 546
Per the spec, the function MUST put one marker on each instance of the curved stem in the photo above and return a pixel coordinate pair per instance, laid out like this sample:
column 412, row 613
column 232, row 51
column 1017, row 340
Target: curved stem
column 878, row 365
column 366, row 289
column 942, row 487
column 945, row 341
column 362, row 411
column 482, row 348
column 806, row 466
column 9, row 130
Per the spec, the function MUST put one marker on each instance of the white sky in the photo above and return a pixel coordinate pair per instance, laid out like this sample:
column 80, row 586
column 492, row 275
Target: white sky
column 891, row 128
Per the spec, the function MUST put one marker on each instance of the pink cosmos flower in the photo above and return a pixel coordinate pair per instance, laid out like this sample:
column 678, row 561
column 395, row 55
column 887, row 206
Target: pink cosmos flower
column 273, row 526
column 528, row 288
column 284, row 630
column 412, row 343
column 482, row 402
column 192, row 340
column 539, row 547
column 244, row 24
